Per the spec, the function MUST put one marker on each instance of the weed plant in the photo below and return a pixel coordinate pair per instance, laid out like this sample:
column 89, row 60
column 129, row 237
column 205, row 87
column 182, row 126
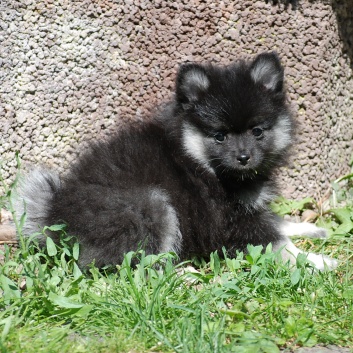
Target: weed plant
column 247, row 304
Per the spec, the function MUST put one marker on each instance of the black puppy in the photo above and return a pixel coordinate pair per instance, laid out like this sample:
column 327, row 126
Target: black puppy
column 197, row 178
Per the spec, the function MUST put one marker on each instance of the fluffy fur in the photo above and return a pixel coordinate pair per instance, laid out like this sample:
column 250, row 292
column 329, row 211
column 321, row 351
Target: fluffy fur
column 196, row 178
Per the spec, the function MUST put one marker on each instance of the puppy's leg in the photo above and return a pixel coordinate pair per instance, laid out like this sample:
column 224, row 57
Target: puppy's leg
column 125, row 220
column 290, row 251
column 290, row 229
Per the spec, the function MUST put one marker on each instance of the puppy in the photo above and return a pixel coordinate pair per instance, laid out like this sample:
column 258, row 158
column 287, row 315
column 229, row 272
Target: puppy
column 194, row 179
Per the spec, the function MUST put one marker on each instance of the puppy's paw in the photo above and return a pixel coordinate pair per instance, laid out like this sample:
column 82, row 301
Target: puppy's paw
column 322, row 262
column 302, row 229
column 317, row 232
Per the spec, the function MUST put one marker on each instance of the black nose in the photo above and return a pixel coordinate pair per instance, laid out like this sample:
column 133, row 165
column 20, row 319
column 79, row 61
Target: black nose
column 243, row 159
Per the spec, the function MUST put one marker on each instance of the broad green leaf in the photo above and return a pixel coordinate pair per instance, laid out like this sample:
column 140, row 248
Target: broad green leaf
column 75, row 251
column 302, row 259
column 254, row 253
column 344, row 228
column 290, row 326
column 82, row 312
column 64, row 302
column 295, row 277
column 238, row 328
column 51, row 247
column 233, row 264
column 77, row 272
column 344, row 215
column 10, row 289
column 269, row 347
column 255, row 269
column 56, row 227
column 282, row 206
column 55, row 280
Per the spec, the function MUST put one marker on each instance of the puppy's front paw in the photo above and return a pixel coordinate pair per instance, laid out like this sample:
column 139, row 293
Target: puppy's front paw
column 302, row 229
column 318, row 233
column 322, row 262
column 312, row 231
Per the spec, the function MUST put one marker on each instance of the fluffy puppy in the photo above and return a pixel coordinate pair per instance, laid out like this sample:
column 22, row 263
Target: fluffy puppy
column 196, row 178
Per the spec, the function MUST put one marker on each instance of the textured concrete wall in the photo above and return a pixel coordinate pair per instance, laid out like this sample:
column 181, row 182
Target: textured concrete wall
column 72, row 71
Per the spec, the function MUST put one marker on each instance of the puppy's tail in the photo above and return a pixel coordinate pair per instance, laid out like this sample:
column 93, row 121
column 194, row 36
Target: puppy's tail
column 34, row 199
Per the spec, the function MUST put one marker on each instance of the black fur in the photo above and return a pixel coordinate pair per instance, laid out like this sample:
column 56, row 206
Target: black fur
column 196, row 178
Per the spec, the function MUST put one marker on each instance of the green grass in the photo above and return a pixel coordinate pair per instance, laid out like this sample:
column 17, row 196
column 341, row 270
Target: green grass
column 252, row 303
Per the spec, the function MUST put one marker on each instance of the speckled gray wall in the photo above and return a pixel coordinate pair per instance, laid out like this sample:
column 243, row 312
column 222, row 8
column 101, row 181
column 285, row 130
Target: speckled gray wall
column 73, row 71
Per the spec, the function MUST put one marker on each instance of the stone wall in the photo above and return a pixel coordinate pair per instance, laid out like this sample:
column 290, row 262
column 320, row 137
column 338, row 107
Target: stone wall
column 73, row 71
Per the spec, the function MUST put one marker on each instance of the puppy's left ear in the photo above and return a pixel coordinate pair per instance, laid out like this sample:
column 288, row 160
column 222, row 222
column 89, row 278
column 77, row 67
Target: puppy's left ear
column 267, row 71
column 192, row 83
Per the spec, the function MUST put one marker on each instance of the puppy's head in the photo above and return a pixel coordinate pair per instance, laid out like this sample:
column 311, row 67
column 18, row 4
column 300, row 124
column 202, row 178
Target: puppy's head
column 235, row 118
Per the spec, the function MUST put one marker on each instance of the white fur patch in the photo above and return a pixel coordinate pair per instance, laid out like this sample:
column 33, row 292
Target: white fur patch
column 307, row 229
column 256, row 199
column 34, row 196
column 195, row 82
column 290, row 251
column 193, row 143
column 282, row 133
column 172, row 237
column 265, row 196
column 266, row 73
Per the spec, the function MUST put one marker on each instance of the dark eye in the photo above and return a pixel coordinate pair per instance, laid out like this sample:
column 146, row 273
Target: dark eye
column 257, row 131
column 220, row 136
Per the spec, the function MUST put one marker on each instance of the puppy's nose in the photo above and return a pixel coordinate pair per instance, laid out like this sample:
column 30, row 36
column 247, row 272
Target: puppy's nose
column 243, row 159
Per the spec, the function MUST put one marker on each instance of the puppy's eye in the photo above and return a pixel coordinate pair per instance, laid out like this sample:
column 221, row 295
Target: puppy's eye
column 220, row 136
column 257, row 131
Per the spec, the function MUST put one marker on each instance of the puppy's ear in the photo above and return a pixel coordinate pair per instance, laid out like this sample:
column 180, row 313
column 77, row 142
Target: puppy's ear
column 266, row 70
column 192, row 83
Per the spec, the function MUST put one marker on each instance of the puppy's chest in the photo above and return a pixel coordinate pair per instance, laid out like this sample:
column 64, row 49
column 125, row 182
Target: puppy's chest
column 213, row 221
column 210, row 208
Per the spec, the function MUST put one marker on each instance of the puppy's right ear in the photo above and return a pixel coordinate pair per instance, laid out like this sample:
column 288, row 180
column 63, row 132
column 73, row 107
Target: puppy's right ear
column 192, row 83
